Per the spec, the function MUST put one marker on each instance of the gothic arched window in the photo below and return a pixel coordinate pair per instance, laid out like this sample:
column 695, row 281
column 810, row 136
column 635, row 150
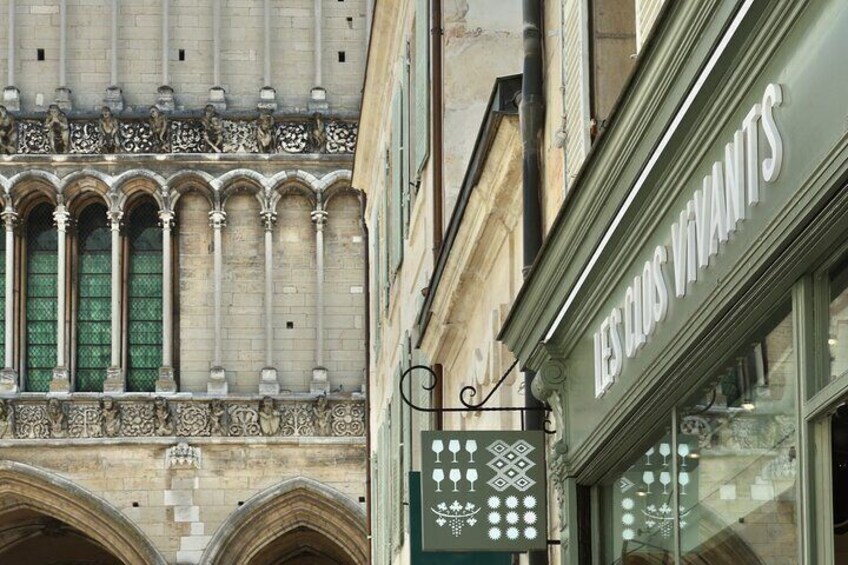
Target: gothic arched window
column 144, row 297
column 94, row 307
column 41, row 281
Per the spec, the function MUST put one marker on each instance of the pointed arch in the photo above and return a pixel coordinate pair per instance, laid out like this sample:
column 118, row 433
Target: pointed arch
column 296, row 504
column 26, row 486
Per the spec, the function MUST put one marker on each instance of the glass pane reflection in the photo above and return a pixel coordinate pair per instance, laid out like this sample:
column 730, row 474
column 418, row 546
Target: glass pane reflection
column 743, row 436
column 837, row 339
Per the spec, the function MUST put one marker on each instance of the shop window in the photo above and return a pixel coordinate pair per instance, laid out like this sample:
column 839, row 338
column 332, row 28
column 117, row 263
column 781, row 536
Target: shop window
column 144, row 292
column 726, row 481
column 41, row 280
column 639, row 508
column 94, row 308
column 837, row 338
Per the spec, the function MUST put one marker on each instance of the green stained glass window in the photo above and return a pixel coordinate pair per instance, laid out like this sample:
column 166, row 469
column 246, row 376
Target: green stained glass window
column 145, row 299
column 41, row 305
column 94, row 310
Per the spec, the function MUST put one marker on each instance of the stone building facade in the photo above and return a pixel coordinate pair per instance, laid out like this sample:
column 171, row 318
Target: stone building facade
column 183, row 297
column 441, row 159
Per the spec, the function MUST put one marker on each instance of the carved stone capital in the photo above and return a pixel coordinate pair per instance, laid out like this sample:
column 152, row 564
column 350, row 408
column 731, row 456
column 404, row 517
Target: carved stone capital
column 269, row 218
column 166, row 219
column 61, row 217
column 319, row 216
column 10, row 219
column 218, row 219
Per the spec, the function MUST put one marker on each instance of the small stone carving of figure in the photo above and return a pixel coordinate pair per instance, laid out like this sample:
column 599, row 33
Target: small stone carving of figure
column 110, row 141
column 161, row 130
column 111, row 417
column 213, row 129
column 323, row 415
column 8, row 133
column 7, row 428
column 218, row 411
column 56, row 418
column 269, row 419
column 164, row 425
column 265, row 132
column 58, row 131
column 317, row 135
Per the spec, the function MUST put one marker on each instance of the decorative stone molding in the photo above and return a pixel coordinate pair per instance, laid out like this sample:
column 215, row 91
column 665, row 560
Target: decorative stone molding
column 158, row 133
column 102, row 416
column 183, row 456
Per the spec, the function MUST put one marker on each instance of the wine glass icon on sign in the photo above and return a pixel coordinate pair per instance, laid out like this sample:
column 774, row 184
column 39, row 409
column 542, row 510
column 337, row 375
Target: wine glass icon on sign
column 438, row 476
column 453, row 447
column 471, row 447
column 471, row 477
column 438, row 447
column 455, row 475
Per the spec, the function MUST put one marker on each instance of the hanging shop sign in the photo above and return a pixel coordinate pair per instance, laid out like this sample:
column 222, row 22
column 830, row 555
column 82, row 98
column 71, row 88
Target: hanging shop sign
column 483, row 491
column 708, row 220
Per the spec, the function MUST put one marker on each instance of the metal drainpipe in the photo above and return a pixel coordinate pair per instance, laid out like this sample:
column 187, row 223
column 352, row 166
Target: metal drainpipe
column 365, row 247
column 531, row 114
column 438, row 129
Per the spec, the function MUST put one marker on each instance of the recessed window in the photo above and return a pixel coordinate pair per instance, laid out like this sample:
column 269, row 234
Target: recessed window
column 181, row 55
column 342, row 57
column 289, row 325
column 349, row 21
column 39, row 54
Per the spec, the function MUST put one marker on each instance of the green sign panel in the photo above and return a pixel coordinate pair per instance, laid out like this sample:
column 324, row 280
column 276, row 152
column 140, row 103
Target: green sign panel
column 483, row 491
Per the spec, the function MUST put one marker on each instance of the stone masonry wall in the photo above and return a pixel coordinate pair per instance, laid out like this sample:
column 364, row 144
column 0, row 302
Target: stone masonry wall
column 140, row 51
column 180, row 509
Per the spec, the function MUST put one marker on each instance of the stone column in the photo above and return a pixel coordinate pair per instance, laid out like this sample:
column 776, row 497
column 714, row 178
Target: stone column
column 217, row 375
column 319, row 383
column 267, row 95
column 217, row 95
column 318, row 97
column 61, row 382
column 8, row 376
column 63, row 93
column 11, row 95
column 115, row 374
column 268, row 383
column 165, row 383
column 165, row 94
column 114, row 98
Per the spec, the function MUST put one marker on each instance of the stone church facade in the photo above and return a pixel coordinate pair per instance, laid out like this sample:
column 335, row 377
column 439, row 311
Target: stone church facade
column 183, row 283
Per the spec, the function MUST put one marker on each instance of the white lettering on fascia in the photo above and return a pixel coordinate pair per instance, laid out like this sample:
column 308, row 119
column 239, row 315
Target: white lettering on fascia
column 705, row 223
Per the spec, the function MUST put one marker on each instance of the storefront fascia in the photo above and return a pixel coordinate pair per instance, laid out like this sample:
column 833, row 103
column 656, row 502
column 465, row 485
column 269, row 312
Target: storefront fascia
column 758, row 289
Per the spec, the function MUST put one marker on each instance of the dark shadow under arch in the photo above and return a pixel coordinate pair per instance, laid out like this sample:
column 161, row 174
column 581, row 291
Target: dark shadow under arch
column 26, row 487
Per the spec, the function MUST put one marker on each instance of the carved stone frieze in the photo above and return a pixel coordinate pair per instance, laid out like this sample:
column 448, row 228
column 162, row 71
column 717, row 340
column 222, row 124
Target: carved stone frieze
column 114, row 417
column 341, row 137
column 348, row 419
column 160, row 134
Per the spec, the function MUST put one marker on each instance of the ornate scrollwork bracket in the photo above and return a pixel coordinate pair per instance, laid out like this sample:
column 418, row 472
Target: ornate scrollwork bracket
column 466, row 396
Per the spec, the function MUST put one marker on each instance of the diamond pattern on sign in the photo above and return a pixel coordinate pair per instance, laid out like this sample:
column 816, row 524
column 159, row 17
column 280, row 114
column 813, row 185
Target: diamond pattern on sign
column 510, row 462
